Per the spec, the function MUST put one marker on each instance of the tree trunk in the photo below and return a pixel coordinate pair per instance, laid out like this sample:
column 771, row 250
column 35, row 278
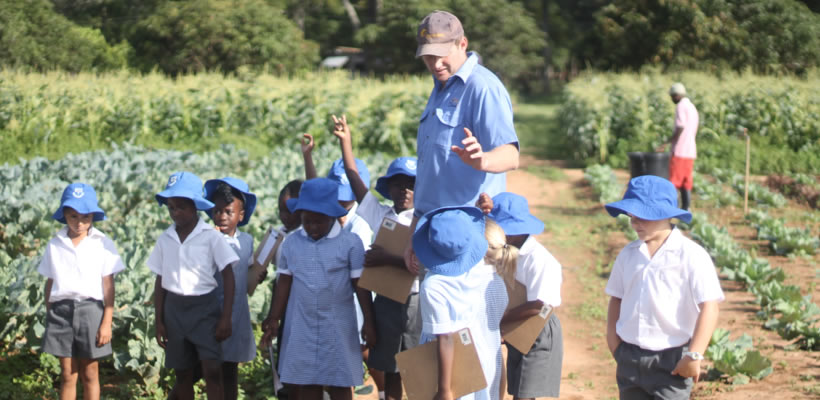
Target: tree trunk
column 548, row 48
column 351, row 13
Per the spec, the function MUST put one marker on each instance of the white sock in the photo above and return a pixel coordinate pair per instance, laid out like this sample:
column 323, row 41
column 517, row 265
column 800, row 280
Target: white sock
column 381, row 395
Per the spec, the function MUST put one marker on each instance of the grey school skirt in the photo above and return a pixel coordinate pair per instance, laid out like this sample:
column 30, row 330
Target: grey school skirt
column 71, row 329
column 398, row 327
column 537, row 373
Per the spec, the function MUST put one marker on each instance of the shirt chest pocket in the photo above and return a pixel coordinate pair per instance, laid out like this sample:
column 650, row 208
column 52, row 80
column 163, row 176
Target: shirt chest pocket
column 197, row 256
column 671, row 282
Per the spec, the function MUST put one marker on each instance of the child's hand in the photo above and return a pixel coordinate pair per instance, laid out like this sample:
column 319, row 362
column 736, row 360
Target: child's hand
column 307, row 143
column 340, row 128
column 485, row 203
column 369, row 334
column 375, row 257
column 444, row 395
column 162, row 337
column 104, row 334
column 223, row 329
column 688, row 368
column 270, row 326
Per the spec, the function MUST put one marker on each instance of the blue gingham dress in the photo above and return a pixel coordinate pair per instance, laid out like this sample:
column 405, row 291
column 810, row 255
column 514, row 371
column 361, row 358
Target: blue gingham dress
column 241, row 345
column 320, row 344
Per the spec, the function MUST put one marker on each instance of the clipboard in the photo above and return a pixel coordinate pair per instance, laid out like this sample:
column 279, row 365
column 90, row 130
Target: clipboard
column 262, row 257
column 391, row 281
column 419, row 368
column 522, row 334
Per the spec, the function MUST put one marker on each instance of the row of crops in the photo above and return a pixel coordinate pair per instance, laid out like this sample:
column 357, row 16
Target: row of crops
column 607, row 115
column 52, row 114
column 126, row 179
column 784, row 309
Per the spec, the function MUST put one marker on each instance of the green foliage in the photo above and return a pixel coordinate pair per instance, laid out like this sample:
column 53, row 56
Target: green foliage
column 783, row 240
column 33, row 35
column 604, row 183
column 607, row 115
column 736, row 357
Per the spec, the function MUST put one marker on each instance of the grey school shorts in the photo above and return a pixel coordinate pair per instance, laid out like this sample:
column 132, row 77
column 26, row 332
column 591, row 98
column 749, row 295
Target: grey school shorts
column 537, row 373
column 71, row 329
column 190, row 325
column 646, row 374
column 398, row 327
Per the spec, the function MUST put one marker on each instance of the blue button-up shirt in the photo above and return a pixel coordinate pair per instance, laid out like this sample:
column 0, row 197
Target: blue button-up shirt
column 474, row 98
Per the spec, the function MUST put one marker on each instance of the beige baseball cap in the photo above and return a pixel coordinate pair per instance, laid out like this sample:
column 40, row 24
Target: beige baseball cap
column 436, row 34
column 677, row 89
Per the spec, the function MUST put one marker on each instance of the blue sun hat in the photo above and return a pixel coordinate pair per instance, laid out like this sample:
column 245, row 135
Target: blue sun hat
column 450, row 240
column 186, row 185
column 82, row 198
column 337, row 174
column 651, row 198
column 248, row 198
column 512, row 213
column 400, row 166
column 318, row 195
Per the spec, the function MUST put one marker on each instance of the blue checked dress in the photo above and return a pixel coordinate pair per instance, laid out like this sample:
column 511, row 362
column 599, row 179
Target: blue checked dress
column 320, row 344
column 241, row 345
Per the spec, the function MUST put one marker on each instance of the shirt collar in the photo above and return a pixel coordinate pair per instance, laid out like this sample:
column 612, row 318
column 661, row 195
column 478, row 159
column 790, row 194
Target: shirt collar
column 234, row 240
column 62, row 234
column 465, row 70
column 200, row 227
column 334, row 231
column 673, row 242
column 528, row 244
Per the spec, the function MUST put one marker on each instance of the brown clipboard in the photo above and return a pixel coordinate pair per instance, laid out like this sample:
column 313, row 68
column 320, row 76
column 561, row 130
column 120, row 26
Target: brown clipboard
column 419, row 368
column 522, row 334
column 262, row 257
column 391, row 281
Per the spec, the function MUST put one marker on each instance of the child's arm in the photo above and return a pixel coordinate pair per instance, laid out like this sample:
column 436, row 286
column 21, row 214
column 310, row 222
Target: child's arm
column 366, row 303
column 159, row 307
column 49, row 284
column 612, row 315
column 342, row 131
column 279, row 303
column 446, row 352
column 376, row 257
column 484, row 202
column 223, row 328
column 104, row 333
column 307, row 154
column 704, row 327
column 524, row 311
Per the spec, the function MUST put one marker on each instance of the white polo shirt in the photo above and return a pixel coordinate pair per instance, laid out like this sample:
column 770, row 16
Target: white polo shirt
column 77, row 272
column 539, row 272
column 188, row 268
column 660, row 297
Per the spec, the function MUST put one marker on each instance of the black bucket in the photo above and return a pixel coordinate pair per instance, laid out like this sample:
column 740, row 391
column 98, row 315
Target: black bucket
column 644, row 163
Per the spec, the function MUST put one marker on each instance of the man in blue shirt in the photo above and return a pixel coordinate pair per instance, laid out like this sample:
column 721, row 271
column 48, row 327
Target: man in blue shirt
column 466, row 139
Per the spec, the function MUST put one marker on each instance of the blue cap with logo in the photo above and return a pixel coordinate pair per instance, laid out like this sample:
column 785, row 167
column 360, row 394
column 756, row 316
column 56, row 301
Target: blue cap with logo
column 651, row 198
column 248, row 198
column 320, row 196
column 450, row 240
column 185, row 185
column 337, row 174
column 82, row 198
column 400, row 166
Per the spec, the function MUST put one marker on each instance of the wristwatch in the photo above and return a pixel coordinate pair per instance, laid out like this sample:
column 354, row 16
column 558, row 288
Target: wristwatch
column 694, row 355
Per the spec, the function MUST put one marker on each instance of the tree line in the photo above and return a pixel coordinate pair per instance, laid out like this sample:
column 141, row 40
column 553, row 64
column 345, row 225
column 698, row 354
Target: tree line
column 527, row 42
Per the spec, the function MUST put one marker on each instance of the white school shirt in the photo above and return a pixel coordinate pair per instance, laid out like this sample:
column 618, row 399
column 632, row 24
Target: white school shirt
column 77, row 272
column 359, row 226
column 356, row 270
column 539, row 272
column 660, row 297
column 188, row 268
column 374, row 212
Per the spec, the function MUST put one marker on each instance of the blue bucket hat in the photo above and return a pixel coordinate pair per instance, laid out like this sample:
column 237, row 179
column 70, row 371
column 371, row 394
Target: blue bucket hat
column 186, row 185
column 651, row 198
column 450, row 240
column 337, row 174
column 248, row 198
column 82, row 198
column 400, row 166
column 318, row 195
column 512, row 213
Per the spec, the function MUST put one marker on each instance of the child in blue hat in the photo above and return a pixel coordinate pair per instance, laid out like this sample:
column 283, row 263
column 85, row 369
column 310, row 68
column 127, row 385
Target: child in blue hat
column 665, row 294
column 79, row 264
column 318, row 274
column 461, row 290
column 191, row 320
column 233, row 207
column 538, row 372
column 398, row 323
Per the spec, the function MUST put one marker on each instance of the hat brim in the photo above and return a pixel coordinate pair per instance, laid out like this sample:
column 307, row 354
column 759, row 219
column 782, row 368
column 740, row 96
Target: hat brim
column 434, row 49
column 649, row 213
column 448, row 266
column 249, row 201
column 200, row 202
column 345, row 193
column 325, row 207
column 383, row 183
column 80, row 207
column 528, row 225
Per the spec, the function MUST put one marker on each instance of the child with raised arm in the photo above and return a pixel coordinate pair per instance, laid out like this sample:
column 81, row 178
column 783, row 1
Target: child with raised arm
column 665, row 294
column 190, row 321
column 318, row 273
column 538, row 372
column 80, row 263
column 398, row 325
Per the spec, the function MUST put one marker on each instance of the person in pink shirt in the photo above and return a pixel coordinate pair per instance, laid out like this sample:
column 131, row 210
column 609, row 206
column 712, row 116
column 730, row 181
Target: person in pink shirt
column 683, row 147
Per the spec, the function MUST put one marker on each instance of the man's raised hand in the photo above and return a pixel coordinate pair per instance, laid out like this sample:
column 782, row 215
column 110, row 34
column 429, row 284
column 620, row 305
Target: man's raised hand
column 471, row 154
